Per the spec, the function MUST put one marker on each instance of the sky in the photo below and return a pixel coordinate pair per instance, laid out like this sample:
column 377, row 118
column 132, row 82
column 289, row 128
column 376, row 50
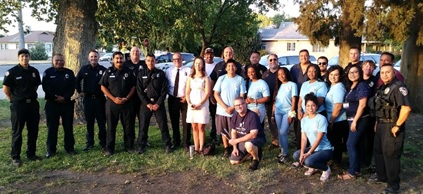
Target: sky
column 288, row 8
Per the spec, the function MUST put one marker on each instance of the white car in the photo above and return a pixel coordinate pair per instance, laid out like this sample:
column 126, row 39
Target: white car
column 106, row 57
column 164, row 61
column 397, row 65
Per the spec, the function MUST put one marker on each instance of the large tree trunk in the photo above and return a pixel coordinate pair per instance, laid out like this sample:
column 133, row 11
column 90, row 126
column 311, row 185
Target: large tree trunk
column 76, row 36
column 412, row 64
column 347, row 37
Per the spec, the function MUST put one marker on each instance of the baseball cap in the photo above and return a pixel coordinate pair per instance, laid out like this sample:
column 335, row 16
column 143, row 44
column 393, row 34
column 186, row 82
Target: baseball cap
column 209, row 50
column 23, row 51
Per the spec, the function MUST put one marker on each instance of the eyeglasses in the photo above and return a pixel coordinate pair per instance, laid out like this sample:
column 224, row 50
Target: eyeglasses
column 271, row 60
column 322, row 63
column 177, row 59
column 238, row 105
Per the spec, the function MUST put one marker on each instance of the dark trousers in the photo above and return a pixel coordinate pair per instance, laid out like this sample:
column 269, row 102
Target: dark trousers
column 212, row 110
column 94, row 109
column 176, row 109
column 297, row 132
column 387, row 153
column 161, row 119
column 54, row 112
column 354, row 144
column 368, row 138
column 338, row 136
column 124, row 112
column 272, row 125
column 24, row 113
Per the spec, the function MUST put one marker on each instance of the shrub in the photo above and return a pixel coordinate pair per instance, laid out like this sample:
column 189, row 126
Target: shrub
column 38, row 51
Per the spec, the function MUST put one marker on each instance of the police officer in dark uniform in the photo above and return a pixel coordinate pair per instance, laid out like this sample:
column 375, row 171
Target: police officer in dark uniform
column 59, row 86
column 118, row 84
column 392, row 108
column 152, row 88
column 93, row 98
column 254, row 61
column 20, row 87
column 220, row 68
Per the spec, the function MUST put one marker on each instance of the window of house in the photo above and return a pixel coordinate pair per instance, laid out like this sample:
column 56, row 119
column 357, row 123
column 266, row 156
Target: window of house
column 318, row 48
column 1, row 47
column 6, row 46
column 30, row 46
column 49, row 48
column 290, row 46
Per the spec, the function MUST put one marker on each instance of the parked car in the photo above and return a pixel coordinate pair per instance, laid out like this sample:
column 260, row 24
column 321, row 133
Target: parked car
column 364, row 56
column 286, row 60
column 106, row 57
column 191, row 62
column 397, row 65
column 164, row 61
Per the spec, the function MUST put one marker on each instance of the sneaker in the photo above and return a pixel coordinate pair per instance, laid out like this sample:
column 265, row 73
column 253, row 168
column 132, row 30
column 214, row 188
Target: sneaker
column 16, row 162
column 310, row 171
column 283, row 159
column 254, row 165
column 325, row 175
column 375, row 179
column 296, row 164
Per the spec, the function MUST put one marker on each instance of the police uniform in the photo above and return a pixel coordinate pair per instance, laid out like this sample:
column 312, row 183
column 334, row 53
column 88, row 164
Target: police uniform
column 135, row 68
column 59, row 82
column 387, row 148
column 94, row 102
column 220, row 69
column 119, row 83
column 24, row 107
column 152, row 87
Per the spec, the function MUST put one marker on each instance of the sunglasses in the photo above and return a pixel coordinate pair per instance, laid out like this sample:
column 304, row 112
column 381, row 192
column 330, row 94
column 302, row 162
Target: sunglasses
column 273, row 60
column 323, row 63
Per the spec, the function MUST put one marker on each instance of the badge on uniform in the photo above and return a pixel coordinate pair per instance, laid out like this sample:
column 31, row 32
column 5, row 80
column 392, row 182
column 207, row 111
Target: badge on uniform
column 158, row 75
column 403, row 91
column 126, row 75
column 100, row 72
column 52, row 77
column 67, row 76
column 386, row 91
column 33, row 74
column 371, row 84
column 140, row 67
column 20, row 77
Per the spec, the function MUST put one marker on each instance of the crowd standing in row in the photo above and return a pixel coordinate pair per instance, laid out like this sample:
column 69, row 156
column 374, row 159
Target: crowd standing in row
column 333, row 109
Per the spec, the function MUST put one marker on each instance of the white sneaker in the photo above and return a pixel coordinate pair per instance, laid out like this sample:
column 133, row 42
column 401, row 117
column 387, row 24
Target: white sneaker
column 325, row 175
column 310, row 171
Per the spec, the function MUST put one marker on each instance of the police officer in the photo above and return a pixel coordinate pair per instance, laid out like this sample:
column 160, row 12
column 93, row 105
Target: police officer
column 93, row 98
column 392, row 108
column 59, row 86
column 20, row 87
column 118, row 84
column 152, row 88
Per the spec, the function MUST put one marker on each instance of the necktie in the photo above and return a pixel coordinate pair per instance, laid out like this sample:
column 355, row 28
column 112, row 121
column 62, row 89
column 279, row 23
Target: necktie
column 175, row 89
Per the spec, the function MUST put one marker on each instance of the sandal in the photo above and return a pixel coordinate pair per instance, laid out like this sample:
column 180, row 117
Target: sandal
column 346, row 176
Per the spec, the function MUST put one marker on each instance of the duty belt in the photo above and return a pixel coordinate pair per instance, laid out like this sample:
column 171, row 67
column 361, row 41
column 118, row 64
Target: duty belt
column 28, row 100
column 386, row 120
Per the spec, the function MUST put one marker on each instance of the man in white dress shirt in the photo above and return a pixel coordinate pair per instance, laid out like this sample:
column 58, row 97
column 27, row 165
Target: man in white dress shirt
column 177, row 77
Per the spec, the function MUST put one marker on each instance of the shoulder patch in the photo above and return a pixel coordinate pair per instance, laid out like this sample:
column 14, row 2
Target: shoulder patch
column 403, row 91
column 6, row 74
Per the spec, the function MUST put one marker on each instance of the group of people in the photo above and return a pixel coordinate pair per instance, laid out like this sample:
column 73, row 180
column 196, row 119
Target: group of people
column 333, row 109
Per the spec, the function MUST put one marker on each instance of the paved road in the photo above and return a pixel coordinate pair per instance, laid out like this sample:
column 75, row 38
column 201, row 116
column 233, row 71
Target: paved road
column 41, row 68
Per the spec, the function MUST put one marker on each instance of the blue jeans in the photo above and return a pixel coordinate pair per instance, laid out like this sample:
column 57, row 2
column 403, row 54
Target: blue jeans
column 316, row 160
column 282, row 126
column 354, row 143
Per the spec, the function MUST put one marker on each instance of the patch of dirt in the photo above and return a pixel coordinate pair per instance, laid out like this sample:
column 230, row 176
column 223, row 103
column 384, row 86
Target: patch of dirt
column 283, row 179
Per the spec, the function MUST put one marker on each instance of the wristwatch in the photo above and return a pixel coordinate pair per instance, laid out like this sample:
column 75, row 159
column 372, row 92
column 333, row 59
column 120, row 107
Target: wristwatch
column 399, row 126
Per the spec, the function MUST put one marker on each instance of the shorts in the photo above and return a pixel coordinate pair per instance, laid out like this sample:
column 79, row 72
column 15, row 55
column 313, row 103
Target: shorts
column 222, row 122
column 242, row 152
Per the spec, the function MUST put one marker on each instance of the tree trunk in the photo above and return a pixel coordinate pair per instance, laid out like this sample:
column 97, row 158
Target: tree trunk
column 412, row 63
column 75, row 36
column 347, row 37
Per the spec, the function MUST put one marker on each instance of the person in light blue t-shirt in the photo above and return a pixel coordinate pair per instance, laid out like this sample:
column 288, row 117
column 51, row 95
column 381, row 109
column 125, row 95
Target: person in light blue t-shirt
column 314, row 129
column 286, row 96
column 314, row 85
column 226, row 89
column 258, row 94
column 338, row 124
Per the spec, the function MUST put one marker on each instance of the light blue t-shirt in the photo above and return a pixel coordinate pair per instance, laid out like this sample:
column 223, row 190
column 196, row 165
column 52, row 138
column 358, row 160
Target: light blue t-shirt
column 258, row 89
column 283, row 101
column 336, row 94
column 318, row 88
column 229, row 89
column 312, row 126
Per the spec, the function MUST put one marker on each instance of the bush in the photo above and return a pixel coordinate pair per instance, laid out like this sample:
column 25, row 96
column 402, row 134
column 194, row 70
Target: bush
column 38, row 51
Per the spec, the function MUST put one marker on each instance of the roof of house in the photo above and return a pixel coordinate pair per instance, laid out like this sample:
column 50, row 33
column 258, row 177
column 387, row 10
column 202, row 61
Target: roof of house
column 31, row 37
column 286, row 31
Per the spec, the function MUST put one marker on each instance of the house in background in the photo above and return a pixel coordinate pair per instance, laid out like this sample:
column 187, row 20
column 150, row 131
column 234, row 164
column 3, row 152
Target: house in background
column 286, row 40
column 10, row 44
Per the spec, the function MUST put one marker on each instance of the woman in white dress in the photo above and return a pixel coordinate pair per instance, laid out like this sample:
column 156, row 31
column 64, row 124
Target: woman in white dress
column 197, row 94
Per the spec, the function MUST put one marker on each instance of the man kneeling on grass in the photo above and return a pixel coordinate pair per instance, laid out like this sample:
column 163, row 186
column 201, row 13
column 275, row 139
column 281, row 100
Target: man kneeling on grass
column 247, row 135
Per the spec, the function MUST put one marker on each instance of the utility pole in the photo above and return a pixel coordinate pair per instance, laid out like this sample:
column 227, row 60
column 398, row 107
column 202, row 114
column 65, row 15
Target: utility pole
column 20, row 26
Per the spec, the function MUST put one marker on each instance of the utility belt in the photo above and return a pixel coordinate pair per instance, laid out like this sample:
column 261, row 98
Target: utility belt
column 381, row 120
column 27, row 100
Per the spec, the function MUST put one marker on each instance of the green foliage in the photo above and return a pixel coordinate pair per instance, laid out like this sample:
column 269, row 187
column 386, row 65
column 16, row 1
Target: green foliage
column 38, row 52
column 264, row 20
column 279, row 18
